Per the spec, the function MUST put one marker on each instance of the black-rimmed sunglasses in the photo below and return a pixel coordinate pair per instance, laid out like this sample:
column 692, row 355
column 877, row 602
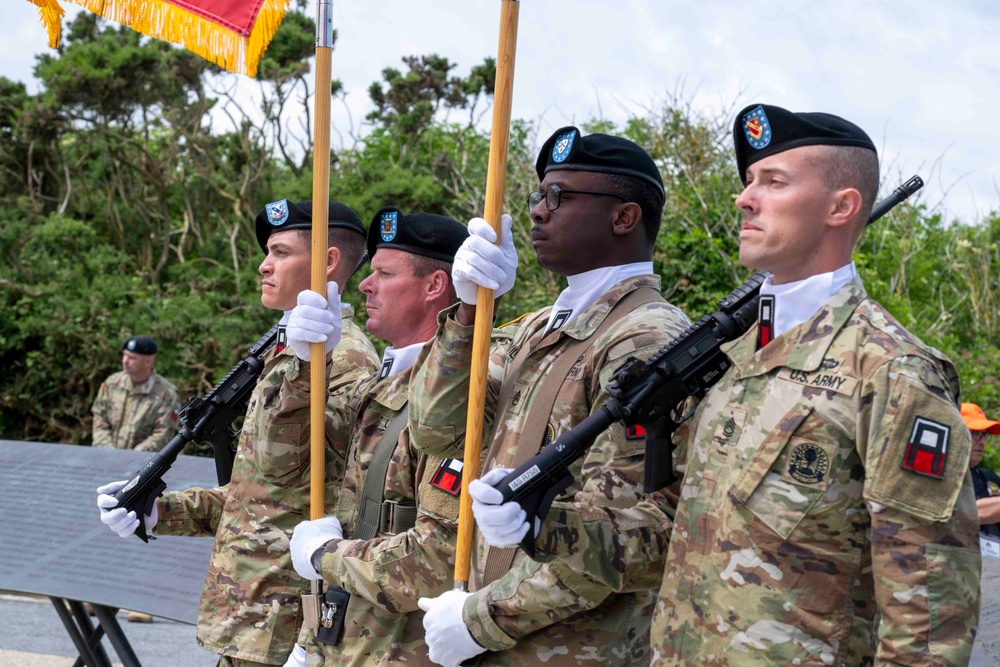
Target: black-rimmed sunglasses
column 553, row 196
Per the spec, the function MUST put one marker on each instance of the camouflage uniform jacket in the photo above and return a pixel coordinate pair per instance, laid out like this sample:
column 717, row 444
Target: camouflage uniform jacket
column 129, row 416
column 250, row 606
column 559, row 612
column 797, row 517
column 386, row 575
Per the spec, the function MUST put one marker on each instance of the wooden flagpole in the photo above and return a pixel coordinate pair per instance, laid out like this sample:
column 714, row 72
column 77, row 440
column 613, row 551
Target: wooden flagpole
column 495, row 177
column 320, row 241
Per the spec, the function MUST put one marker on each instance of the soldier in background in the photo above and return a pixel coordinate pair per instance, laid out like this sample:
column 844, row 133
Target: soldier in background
column 826, row 474
column 250, row 609
column 135, row 408
column 595, row 218
column 392, row 538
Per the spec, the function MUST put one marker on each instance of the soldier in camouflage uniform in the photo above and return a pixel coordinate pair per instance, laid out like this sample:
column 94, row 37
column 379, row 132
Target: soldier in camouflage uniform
column 250, row 610
column 137, row 407
column 408, row 548
column 826, row 516
column 595, row 219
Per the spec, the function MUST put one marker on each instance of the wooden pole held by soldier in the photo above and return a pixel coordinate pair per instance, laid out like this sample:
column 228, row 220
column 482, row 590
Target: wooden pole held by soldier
column 320, row 242
column 483, row 329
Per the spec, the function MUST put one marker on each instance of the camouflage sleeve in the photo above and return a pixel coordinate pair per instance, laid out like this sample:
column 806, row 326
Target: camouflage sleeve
column 394, row 571
column 165, row 425
column 611, row 530
column 101, row 428
column 530, row 597
column 190, row 513
column 439, row 391
column 584, row 562
column 282, row 417
column 623, row 548
column 353, row 362
column 610, row 537
column 924, row 547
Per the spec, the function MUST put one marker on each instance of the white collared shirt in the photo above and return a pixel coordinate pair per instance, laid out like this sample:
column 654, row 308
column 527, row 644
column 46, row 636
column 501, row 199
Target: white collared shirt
column 585, row 288
column 796, row 302
column 396, row 361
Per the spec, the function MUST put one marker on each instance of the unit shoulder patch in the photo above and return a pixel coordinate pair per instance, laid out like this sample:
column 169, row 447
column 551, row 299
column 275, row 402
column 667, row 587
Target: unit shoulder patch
column 927, row 450
column 448, row 477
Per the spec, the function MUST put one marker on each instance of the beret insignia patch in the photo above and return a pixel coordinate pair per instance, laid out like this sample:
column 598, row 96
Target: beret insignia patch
column 277, row 212
column 388, row 225
column 757, row 128
column 563, row 146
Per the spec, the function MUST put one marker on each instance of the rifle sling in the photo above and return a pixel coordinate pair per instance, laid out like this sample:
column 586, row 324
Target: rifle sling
column 370, row 505
column 499, row 561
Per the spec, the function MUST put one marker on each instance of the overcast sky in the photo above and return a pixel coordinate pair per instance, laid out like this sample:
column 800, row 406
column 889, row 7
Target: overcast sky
column 925, row 84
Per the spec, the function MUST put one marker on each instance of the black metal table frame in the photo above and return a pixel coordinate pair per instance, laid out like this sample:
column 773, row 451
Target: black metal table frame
column 87, row 637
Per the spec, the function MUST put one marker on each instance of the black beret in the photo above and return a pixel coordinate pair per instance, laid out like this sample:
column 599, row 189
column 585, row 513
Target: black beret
column 568, row 149
column 419, row 233
column 140, row 345
column 283, row 214
column 762, row 130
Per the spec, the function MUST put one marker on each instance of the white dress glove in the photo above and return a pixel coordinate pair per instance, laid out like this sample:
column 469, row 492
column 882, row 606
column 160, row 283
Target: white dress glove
column 309, row 536
column 315, row 320
column 502, row 525
column 449, row 642
column 297, row 658
column 116, row 518
column 480, row 262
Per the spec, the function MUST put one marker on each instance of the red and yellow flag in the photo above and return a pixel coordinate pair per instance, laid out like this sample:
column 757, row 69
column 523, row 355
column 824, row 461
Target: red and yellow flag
column 233, row 34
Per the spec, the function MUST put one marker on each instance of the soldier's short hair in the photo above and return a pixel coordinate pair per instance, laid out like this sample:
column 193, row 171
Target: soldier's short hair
column 423, row 265
column 350, row 244
column 851, row 167
column 644, row 194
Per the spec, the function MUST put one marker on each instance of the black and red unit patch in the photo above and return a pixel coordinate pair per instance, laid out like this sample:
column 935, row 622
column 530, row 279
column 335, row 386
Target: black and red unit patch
column 448, row 477
column 928, row 448
column 765, row 321
column 282, row 339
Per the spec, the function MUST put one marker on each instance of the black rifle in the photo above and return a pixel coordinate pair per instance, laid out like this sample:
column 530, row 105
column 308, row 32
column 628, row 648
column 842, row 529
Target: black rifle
column 206, row 419
column 647, row 393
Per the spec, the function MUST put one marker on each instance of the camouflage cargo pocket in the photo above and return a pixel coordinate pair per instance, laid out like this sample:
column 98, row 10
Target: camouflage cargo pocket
column 778, row 504
column 281, row 455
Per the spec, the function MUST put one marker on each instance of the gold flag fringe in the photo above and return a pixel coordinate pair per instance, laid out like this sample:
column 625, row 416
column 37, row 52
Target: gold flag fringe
column 52, row 15
column 216, row 43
